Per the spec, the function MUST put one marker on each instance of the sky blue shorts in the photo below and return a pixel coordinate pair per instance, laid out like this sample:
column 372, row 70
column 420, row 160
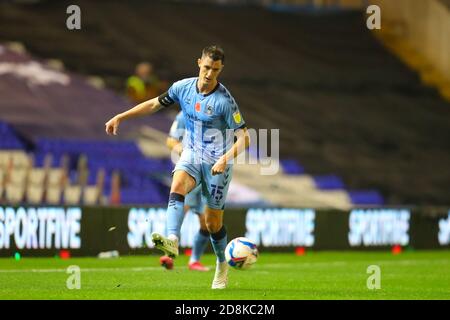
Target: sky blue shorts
column 214, row 188
column 195, row 200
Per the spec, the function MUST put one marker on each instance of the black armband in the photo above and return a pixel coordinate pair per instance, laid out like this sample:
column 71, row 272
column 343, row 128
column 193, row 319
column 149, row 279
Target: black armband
column 165, row 100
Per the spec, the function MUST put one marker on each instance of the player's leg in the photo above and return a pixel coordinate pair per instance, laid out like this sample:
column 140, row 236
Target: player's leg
column 196, row 204
column 166, row 261
column 182, row 183
column 214, row 223
column 215, row 189
column 217, row 231
column 201, row 240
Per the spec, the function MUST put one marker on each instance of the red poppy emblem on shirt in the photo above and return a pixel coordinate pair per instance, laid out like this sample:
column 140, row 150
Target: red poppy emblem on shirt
column 197, row 107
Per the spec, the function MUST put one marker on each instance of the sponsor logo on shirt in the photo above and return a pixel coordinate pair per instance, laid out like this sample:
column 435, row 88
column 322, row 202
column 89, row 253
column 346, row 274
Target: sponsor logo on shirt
column 209, row 110
column 197, row 107
column 237, row 117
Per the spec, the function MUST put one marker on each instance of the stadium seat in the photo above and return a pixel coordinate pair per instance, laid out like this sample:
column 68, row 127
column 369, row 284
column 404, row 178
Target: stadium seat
column 55, row 177
column 5, row 158
column 37, row 176
column 291, row 166
column 15, row 193
column 35, row 194
column 20, row 159
column 91, row 195
column 328, row 182
column 18, row 177
column 72, row 194
column 53, row 195
column 1, row 183
column 366, row 197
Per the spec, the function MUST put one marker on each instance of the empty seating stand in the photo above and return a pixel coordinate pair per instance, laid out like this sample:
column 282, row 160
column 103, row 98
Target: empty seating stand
column 139, row 176
column 343, row 103
column 72, row 172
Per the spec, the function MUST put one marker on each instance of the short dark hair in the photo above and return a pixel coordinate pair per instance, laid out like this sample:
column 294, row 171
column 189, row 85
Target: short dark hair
column 214, row 52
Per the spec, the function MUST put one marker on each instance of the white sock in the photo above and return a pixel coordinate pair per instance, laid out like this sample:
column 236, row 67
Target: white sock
column 173, row 237
column 192, row 260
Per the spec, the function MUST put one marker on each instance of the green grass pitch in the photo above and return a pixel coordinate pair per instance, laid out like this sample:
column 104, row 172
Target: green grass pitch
column 316, row 275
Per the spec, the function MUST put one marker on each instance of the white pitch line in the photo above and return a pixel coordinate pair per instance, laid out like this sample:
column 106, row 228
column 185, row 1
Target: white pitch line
column 345, row 263
column 273, row 265
column 81, row 269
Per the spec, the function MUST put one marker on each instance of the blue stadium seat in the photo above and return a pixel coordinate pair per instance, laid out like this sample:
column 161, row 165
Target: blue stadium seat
column 292, row 166
column 328, row 182
column 366, row 197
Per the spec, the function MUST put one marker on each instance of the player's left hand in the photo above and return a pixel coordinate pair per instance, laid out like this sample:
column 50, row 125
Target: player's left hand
column 219, row 167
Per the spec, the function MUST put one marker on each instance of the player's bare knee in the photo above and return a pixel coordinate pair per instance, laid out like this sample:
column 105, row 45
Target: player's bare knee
column 178, row 187
column 213, row 224
column 213, row 227
column 182, row 183
column 181, row 186
column 213, row 219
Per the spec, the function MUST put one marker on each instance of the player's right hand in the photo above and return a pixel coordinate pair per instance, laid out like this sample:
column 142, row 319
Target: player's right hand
column 112, row 126
column 178, row 149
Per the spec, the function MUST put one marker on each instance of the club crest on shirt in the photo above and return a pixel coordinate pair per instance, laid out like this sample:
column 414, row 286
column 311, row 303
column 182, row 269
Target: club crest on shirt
column 197, row 107
column 237, row 117
column 209, row 110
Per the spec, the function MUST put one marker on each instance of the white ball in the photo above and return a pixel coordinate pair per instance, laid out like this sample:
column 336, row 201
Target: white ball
column 241, row 253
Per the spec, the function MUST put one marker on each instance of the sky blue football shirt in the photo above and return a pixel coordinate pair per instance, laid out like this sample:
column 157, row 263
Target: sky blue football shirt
column 210, row 120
